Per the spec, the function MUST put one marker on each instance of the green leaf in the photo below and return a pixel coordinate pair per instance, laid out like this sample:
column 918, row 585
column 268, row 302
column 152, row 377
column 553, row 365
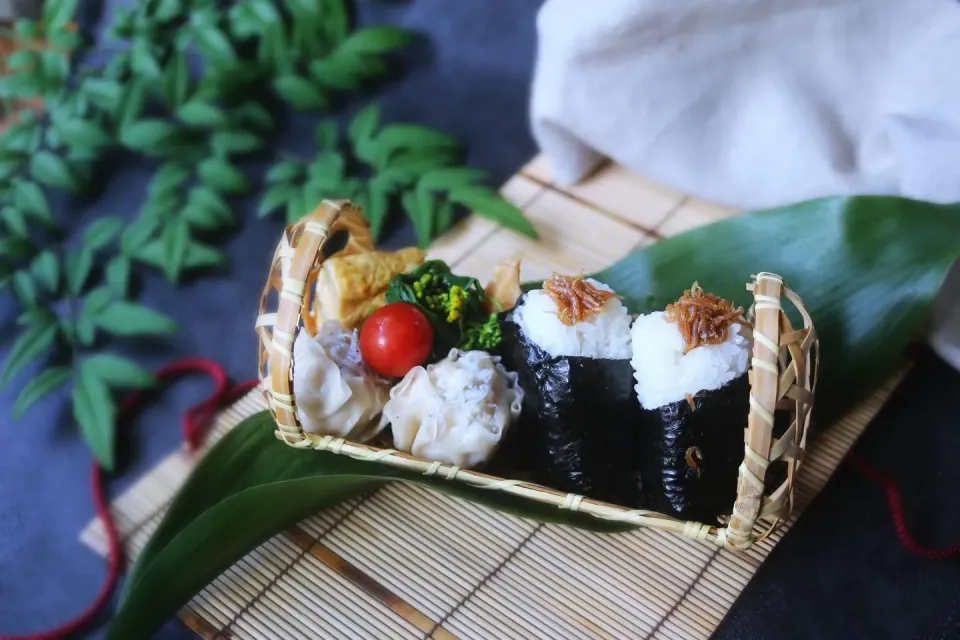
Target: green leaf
column 235, row 141
column 96, row 301
column 276, row 197
column 142, row 60
column 46, row 270
column 17, row 248
column 205, row 198
column 31, row 344
column 411, row 137
column 78, row 267
column 122, row 318
column 336, row 20
column 378, row 206
column 254, row 114
column 364, row 124
column 327, row 169
column 14, row 222
column 26, row 28
column 326, row 134
column 176, row 81
column 117, row 275
column 217, row 173
column 22, row 60
column 200, row 256
column 105, row 94
column 444, row 218
column 82, row 133
column 29, row 199
column 130, row 107
column 421, row 215
column 450, row 178
column 202, row 218
column 248, row 488
column 297, row 206
column 300, row 93
column 214, row 44
column 101, row 232
column 197, row 113
column 285, row 171
column 176, row 237
column 138, row 233
column 339, row 72
column 146, row 134
column 486, row 202
column 94, row 410
column 119, row 372
column 169, row 9
column 57, row 14
column 25, row 288
column 168, row 179
column 52, row 171
column 43, row 385
column 377, row 40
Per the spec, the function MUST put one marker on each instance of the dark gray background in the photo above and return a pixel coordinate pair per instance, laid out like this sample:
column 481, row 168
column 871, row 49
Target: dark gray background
column 839, row 574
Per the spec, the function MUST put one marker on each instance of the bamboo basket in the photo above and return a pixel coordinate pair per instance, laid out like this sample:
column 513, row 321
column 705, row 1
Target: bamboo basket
column 782, row 375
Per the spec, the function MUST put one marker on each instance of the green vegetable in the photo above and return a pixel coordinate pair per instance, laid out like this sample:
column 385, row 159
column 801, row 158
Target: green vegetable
column 455, row 305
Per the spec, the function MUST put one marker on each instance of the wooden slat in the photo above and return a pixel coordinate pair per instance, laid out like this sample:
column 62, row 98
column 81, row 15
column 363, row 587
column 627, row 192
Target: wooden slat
column 405, row 562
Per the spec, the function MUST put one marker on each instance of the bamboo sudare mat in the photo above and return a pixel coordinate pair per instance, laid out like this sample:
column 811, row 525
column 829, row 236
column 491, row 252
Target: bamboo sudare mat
column 405, row 562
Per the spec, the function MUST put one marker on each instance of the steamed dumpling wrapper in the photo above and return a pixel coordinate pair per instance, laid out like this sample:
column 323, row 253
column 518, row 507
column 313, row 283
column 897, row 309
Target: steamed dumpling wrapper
column 336, row 393
column 456, row 410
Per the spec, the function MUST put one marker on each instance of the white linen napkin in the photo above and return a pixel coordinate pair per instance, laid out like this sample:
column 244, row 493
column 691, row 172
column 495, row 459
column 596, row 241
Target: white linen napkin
column 759, row 103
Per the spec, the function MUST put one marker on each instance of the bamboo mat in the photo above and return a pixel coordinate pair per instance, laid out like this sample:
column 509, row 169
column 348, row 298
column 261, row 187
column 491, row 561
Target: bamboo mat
column 404, row 562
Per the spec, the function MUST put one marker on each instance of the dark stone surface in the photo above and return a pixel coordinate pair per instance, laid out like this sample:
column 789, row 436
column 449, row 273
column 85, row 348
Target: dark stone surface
column 839, row 574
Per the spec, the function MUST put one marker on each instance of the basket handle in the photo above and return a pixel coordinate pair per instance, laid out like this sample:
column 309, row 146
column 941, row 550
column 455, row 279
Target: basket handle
column 296, row 262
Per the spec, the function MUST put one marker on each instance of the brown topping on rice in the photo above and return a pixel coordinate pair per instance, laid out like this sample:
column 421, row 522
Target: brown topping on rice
column 577, row 299
column 702, row 318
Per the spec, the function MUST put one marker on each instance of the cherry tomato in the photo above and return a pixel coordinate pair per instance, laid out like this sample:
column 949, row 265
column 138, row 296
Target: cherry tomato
column 396, row 338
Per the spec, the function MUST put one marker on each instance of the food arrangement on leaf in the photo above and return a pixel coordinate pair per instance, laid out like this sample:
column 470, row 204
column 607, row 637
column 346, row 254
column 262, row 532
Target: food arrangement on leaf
column 576, row 401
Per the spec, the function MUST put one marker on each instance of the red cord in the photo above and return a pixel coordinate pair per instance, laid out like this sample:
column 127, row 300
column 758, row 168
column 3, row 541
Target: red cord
column 895, row 503
column 195, row 423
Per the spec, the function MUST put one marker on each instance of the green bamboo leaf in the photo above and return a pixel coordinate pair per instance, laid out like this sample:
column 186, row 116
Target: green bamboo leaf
column 201, row 256
column 202, row 218
column 101, row 232
column 119, row 372
column 17, row 248
column 25, row 288
column 285, row 171
column 82, row 133
column 21, row 86
column 78, row 266
column 94, row 410
column 175, row 238
column 169, row 9
column 27, row 29
column 198, row 113
column 445, row 179
column 421, row 216
column 23, row 60
column 103, row 93
column 41, row 386
column 218, row 174
column 327, row 135
column 378, row 206
column 253, row 114
column 146, row 134
column 96, row 301
column 29, row 199
column 57, row 14
column 336, row 20
column 168, row 179
column 117, row 275
column 363, row 124
column 86, row 332
column 411, row 137
column 176, row 81
column 46, row 270
column 263, row 10
column 486, row 202
column 208, row 199
column 377, row 40
column 444, row 218
column 64, row 40
column 31, row 344
column 53, row 171
column 138, row 233
column 142, row 60
column 300, row 93
column 276, row 197
column 130, row 319
column 327, row 169
column 130, row 106
column 235, row 141
column 214, row 44
column 15, row 222
column 297, row 206
column 338, row 72
column 274, row 49
column 237, row 493
column 37, row 315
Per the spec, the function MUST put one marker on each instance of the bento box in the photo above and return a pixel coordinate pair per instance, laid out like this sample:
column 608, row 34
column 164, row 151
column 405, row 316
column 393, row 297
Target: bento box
column 692, row 420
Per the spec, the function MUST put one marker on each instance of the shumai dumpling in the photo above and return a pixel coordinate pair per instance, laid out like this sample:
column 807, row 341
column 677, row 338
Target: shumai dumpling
column 337, row 394
column 456, row 410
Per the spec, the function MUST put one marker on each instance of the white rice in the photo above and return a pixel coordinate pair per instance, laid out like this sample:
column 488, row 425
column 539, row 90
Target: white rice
column 604, row 335
column 665, row 374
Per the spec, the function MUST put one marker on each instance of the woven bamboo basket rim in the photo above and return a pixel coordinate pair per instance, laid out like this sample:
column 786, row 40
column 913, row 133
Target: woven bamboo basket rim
column 783, row 374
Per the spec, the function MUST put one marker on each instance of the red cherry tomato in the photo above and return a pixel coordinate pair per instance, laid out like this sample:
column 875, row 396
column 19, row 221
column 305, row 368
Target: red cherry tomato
column 396, row 338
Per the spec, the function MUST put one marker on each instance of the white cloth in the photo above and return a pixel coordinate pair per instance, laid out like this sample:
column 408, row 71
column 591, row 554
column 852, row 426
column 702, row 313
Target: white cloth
column 758, row 103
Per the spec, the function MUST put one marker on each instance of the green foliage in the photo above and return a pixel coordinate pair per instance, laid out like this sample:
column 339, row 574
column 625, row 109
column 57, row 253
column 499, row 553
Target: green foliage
column 199, row 128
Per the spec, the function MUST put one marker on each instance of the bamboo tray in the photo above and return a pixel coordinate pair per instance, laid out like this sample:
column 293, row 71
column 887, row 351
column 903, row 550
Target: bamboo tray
column 460, row 570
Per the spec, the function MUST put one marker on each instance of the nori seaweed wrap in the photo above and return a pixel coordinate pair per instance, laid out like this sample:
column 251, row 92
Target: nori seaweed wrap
column 578, row 427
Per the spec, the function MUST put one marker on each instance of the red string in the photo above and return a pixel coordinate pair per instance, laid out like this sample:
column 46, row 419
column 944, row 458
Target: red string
column 195, row 423
column 895, row 503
